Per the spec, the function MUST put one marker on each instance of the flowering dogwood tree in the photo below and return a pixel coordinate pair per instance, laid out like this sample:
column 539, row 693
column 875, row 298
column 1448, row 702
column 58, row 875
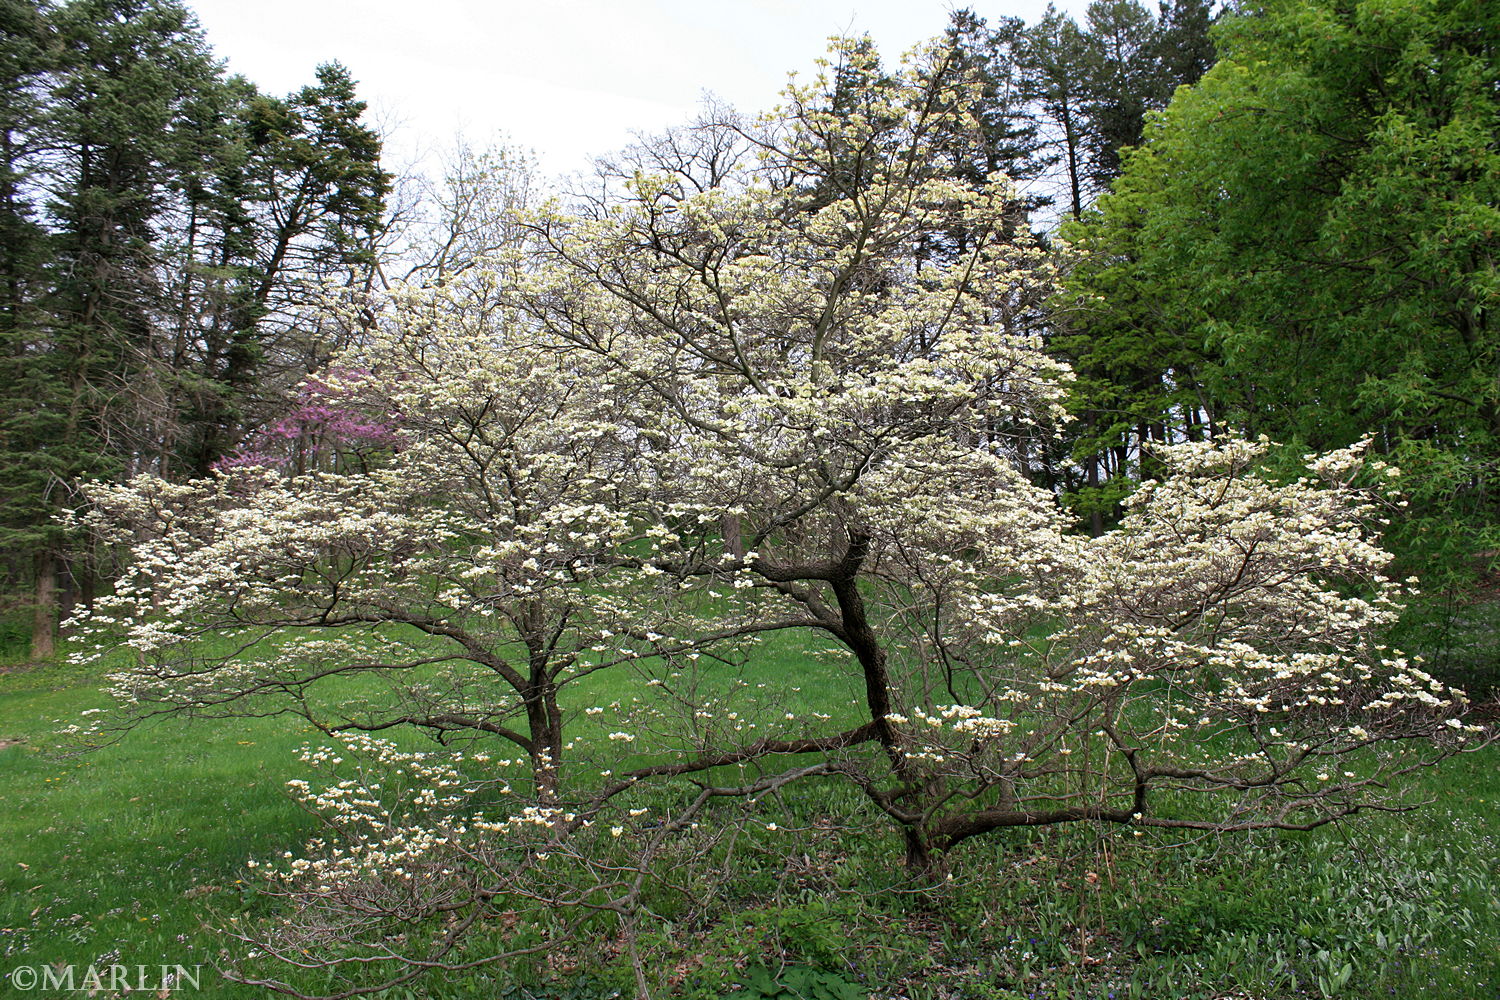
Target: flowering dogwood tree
column 844, row 384
column 783, row 395
column 474, row 569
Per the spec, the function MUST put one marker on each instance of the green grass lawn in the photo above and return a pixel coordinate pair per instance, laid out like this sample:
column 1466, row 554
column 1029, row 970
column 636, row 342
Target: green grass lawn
column 135, row 853
column 113, row 856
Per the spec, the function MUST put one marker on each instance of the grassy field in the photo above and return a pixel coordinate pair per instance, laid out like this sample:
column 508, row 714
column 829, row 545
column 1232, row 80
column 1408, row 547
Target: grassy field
column 135, row 854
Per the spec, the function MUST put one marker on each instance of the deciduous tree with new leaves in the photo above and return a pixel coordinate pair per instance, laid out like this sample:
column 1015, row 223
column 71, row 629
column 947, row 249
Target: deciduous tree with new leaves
column 1305, row 245
column 711, row 412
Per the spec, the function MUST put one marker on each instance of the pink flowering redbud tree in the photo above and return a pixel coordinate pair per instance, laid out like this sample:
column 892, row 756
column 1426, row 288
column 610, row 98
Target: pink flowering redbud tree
column 327, row 428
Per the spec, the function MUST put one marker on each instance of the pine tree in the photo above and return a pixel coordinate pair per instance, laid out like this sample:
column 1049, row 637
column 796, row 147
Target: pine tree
column 156, row 219
column 1008, row 135
column 1055, row 57
column 301, row 201
column 106, row 112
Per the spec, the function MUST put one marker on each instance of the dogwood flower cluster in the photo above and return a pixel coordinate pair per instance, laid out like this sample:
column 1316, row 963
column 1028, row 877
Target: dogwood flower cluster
column 402, row 832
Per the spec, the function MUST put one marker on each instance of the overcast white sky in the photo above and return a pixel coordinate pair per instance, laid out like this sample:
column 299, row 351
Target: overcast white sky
column 568, row 79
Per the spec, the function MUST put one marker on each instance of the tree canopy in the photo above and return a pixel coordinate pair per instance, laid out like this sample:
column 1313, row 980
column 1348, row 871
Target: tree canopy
column 1305, row 246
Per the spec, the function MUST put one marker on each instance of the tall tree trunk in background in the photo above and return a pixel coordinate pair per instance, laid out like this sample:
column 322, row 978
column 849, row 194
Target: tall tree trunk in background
column 1096, row 516
column 44, row 614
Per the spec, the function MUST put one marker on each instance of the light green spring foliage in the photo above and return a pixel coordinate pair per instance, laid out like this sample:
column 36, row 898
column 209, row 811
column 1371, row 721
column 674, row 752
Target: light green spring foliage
column 1305, row 246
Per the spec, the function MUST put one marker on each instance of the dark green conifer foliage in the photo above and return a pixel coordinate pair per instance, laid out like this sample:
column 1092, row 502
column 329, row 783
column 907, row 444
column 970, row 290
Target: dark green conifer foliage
column 1008, row 137
column 156, row 220
column 118, row 73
